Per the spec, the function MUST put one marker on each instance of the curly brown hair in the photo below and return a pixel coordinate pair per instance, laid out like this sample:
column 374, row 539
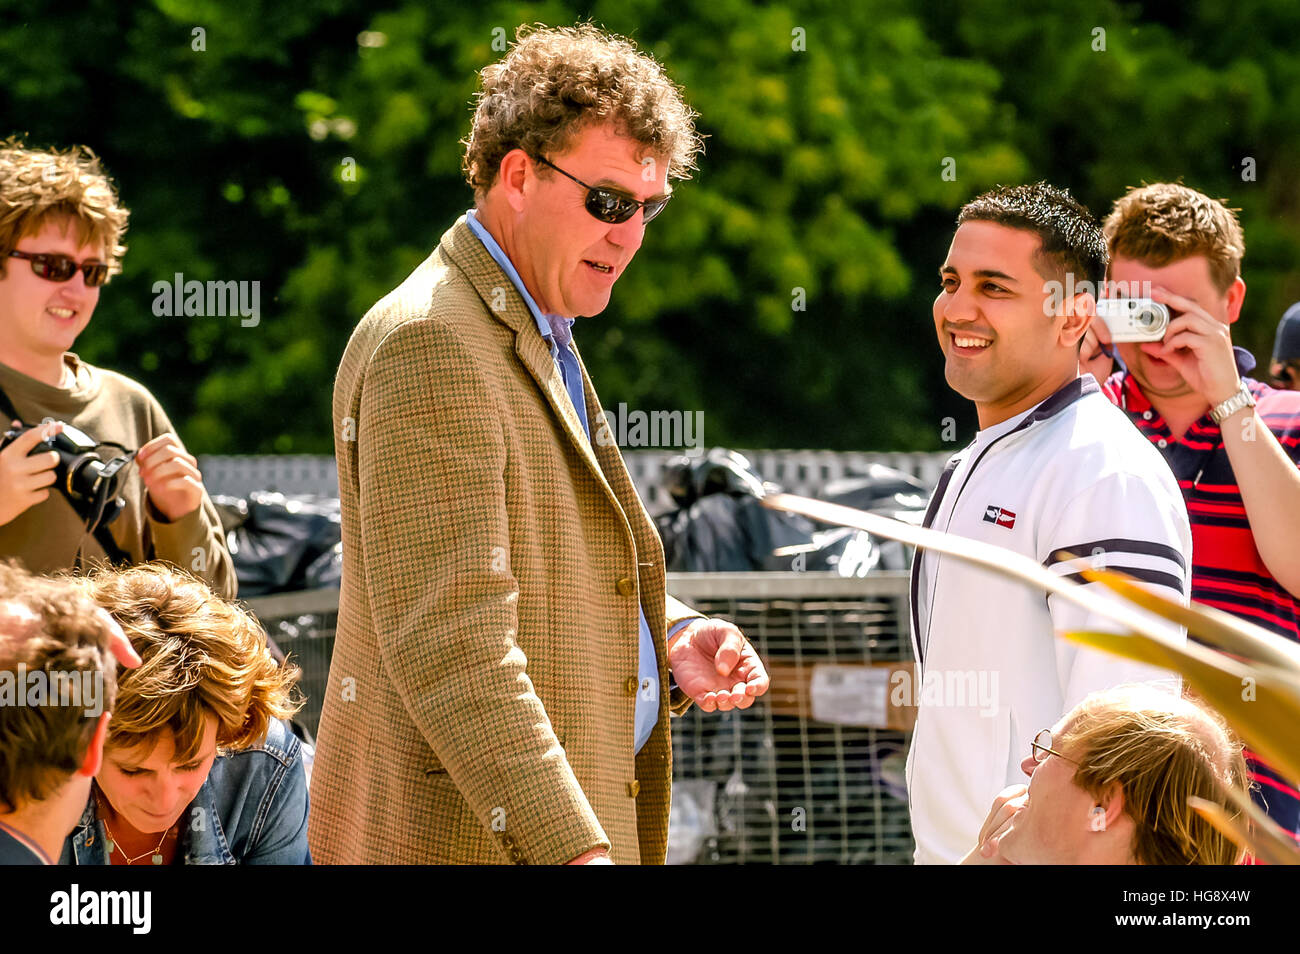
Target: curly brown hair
column 1168, row 221
column 47, row 626
column 39, row 186
column 556, row 81
column 202, row 655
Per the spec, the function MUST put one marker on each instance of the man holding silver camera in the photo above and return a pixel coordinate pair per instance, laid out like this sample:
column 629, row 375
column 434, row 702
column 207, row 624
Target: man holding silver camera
column 90, row 469
column 1232, row 442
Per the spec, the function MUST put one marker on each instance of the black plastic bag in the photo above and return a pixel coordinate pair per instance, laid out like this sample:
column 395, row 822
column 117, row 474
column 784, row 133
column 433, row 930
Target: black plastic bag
column 282, row 544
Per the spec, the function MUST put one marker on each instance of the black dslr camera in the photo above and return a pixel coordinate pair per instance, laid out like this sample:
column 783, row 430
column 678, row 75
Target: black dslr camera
column 88, row 481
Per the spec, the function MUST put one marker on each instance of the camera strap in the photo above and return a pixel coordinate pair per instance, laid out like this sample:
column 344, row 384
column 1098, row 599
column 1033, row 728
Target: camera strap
column 7, row 408
column 116, row 555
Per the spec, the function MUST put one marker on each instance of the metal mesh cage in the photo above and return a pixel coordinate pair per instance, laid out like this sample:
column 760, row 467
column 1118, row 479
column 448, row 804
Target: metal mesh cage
column 770, row 784
column 767, row 785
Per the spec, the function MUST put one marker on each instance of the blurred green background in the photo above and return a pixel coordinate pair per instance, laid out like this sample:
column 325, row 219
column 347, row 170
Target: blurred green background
column 823, row 172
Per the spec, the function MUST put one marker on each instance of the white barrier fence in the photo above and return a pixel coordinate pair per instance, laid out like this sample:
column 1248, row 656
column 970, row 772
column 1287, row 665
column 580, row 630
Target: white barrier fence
column 797, row 471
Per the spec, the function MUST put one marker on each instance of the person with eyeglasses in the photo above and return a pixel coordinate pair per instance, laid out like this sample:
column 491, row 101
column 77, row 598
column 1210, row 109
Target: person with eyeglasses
column 506, row 656
column 1109, row 783
column 61, row 227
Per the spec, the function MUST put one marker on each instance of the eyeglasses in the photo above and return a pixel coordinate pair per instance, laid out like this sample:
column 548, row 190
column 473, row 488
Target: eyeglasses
column 61, row 268
column 1042, row 748
column 610, row 205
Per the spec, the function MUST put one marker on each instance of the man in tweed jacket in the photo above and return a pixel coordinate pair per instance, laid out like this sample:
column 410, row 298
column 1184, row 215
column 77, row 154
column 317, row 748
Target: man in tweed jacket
column 501, row 684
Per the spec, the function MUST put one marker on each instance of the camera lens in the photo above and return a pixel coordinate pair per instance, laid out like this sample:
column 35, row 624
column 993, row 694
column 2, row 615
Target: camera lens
column 83, row 476
column 1147, row 319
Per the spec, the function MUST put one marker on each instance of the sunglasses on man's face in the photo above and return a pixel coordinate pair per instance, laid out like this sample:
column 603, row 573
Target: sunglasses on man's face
column 610, row 205
column 60, row 268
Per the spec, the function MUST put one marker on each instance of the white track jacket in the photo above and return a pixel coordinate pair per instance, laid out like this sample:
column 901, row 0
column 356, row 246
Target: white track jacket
column 1072, row 474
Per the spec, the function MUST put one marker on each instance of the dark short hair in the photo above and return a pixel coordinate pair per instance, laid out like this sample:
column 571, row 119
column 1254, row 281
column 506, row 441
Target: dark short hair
column 1071, row 240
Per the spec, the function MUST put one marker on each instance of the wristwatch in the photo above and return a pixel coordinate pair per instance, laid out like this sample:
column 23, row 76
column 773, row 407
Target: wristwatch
column 1243, row 398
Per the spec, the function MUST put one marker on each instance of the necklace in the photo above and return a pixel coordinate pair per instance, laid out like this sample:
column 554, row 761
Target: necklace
column 113, row 843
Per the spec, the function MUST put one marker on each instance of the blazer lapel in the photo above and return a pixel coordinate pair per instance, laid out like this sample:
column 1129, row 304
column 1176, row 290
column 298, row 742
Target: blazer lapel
column 495, row 288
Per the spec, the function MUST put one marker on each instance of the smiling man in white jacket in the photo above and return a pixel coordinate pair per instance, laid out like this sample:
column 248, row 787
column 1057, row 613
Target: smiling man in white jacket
column 1054, row 471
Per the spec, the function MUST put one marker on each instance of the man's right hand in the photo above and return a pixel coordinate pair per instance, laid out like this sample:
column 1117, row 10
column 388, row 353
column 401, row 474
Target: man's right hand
column 597, row 856
column 24, row 480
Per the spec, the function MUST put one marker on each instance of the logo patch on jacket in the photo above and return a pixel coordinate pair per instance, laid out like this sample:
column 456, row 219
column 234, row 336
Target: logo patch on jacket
column 999, row 515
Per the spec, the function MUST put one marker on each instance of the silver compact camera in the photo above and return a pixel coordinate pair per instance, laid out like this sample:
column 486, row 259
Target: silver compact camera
column 1133, row 319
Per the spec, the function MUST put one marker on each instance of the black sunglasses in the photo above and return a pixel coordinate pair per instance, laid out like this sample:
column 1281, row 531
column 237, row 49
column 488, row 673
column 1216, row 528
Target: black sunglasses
column 61, row 268
column 610, row 205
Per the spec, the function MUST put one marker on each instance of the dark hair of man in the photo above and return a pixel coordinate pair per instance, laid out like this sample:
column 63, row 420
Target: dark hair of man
column 1071, row 240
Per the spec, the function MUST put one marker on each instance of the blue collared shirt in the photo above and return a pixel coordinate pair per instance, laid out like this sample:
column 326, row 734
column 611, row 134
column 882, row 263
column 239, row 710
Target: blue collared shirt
column 553, row 327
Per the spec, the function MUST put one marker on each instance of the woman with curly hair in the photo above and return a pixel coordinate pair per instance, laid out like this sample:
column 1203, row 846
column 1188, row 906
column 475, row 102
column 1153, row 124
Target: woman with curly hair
column 199, row 767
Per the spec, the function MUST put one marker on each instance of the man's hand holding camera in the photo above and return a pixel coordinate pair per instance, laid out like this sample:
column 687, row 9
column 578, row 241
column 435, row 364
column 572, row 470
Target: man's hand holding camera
column 25, row 480
column 1198, row 347
column 171, row 477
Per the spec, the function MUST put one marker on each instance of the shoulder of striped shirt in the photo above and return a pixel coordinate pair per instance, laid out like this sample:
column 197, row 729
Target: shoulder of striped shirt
column 1280, row 412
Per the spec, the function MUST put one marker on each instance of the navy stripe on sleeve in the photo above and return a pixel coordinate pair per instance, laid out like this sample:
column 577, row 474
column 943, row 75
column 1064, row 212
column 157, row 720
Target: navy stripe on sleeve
column 1117, row 545
column 1140, row 572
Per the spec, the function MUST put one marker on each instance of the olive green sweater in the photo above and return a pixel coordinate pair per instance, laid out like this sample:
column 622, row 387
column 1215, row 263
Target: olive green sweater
column 109, row 407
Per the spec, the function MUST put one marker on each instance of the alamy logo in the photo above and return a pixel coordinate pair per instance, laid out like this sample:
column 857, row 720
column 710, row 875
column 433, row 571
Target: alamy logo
column 208, row 299
column 999, row 515
column 83, row 689
column 74, row 906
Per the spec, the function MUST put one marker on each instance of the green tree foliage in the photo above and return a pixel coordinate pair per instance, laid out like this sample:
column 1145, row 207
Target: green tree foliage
column 314, row 147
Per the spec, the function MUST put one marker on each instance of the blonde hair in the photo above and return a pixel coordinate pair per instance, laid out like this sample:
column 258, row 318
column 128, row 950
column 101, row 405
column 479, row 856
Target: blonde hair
column 1159, row 748
column 1167, row 222
column 38, row 186
column 202, row 655
column 554, row 82
column 41, row 745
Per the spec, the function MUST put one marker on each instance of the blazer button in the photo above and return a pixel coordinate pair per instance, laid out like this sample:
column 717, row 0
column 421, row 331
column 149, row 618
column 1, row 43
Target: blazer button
column 625, row 586
column 634, row 788
column 630, row 685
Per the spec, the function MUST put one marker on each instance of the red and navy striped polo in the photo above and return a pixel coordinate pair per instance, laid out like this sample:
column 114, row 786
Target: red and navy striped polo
column 1227, row 570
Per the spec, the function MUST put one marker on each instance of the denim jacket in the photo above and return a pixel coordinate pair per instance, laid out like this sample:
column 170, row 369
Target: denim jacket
column 252, row 810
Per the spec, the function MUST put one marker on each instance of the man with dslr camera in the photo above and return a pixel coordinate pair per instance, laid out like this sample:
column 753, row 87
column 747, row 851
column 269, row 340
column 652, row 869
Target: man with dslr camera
column 1232, row 442
column 90, row 467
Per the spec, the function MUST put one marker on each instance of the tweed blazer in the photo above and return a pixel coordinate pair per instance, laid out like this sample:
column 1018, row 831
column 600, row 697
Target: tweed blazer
column 480, row 704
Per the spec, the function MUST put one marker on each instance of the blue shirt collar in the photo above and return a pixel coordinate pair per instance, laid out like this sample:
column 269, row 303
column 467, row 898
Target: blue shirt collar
column 499, row 256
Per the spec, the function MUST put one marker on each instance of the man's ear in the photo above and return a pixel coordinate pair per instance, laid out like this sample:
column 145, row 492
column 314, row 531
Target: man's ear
column 1236, row 297
column 94, row 757
column 512, row 177
column 1111, row 813
column 1078, row 311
